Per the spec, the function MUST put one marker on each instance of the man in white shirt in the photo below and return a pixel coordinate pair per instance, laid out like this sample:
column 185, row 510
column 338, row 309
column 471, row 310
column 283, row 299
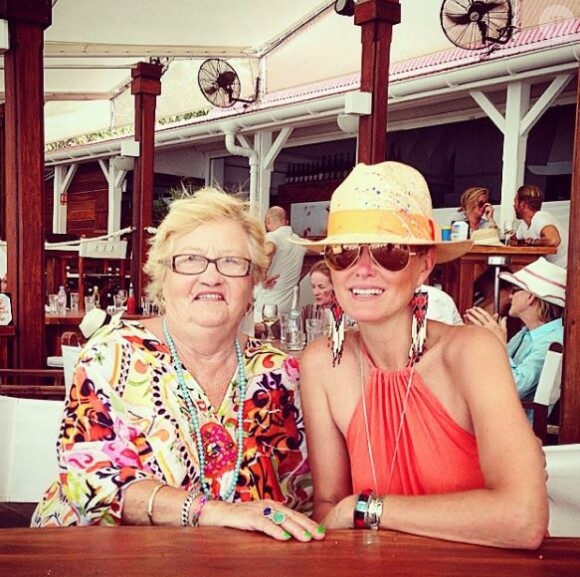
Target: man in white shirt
column 285, row 264
column 539, row 227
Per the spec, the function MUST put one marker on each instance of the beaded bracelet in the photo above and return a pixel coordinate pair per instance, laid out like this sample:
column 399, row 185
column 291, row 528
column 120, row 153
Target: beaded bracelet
column 185, row 510
column 360, row 509
column 151, row 501
column 198, row 509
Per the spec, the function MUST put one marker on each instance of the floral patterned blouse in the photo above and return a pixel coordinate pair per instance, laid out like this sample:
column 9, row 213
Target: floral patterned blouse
column 125, row 420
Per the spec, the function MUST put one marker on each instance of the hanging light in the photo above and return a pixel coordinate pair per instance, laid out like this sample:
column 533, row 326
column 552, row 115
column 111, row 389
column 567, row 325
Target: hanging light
column 344, row 7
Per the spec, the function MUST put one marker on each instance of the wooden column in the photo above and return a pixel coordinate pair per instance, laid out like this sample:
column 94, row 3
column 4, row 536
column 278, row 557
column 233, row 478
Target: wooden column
column 146, row 86
column 376, row 18
column 25, row 234
column 570, row 403
column 3, row 171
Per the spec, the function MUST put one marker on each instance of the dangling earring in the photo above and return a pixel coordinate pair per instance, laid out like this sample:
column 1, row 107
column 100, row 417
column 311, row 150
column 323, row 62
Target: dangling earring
column 337, row 332
column 419, row 304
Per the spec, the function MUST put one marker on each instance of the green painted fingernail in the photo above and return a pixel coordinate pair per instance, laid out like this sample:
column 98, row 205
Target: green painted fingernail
column 320, row 530
column 286, row 535
column 308, row 534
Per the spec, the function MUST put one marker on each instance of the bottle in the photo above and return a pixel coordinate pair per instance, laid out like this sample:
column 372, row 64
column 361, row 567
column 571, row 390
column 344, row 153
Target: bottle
column 97, row 297
column 131, row 303
column 61, row 301
column 294, row 332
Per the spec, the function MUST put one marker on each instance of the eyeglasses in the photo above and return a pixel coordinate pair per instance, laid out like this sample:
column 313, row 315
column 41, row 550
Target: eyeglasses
column 232, row 266
column 515, row 289
column 481, row 203
column 392, row 257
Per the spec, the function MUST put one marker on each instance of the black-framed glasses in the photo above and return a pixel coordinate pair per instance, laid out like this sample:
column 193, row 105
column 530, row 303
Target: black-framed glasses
column 392, row 257
column 232, row 266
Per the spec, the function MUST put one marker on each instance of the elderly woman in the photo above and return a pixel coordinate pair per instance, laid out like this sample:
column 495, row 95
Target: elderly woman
column 180, row 419
column 537, row 299
column 406, row 418
column 477, row 208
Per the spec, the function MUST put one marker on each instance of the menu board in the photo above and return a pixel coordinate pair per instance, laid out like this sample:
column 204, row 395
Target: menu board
column 5, row 309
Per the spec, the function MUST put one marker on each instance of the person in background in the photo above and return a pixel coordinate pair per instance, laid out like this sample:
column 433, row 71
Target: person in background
column 442, row 307
column 537, row 299
column 321, row 285
column 3, row 284
column 539, row 227
column 405, row 418
column 180, row 419
column 285, row 258
column 475, row 205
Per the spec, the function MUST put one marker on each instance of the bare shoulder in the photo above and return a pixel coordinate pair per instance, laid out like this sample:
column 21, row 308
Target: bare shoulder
column 316, row 360
column 464, row 342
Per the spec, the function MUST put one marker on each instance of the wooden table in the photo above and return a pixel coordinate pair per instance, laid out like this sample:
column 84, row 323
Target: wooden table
column 176, row 552
column 459, row 276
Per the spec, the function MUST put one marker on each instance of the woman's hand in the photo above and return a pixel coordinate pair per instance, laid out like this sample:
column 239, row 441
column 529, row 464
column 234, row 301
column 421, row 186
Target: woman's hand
column 496, row 324
column 341, row 515
column 265, row 516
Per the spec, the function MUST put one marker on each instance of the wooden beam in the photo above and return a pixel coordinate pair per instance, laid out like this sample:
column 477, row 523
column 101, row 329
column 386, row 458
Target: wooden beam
column 376, row 19
column 145, row 86
column 25, row 201
column 570, row 404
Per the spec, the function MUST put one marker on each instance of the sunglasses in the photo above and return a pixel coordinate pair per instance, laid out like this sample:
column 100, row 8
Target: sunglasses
column 515, row 289
column 392, row 257
column 481, row 203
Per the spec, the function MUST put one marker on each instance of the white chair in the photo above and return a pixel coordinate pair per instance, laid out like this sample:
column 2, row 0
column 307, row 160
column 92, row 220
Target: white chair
column 29, row 430
column 563, row 466
column 548, row 392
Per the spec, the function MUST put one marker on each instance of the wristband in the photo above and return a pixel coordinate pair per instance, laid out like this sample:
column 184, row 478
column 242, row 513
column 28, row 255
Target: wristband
column 361, row 508
column 185, row 510
column 151, row 501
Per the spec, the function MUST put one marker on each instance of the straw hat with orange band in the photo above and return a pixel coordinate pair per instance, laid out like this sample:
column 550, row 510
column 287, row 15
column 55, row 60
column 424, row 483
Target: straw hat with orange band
column 387, row 206
column 386, row 203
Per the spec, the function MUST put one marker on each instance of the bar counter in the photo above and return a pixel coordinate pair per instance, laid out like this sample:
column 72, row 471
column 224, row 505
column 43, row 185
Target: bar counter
column 460, row 275
column 215, row 552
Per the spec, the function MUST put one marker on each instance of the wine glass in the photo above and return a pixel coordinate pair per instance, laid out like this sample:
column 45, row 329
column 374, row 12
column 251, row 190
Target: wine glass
column 123, row 296
column 269, row 316
column 509, row 230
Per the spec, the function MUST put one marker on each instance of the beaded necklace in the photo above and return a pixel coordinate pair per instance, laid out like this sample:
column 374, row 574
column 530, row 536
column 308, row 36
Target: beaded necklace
column 194, row 420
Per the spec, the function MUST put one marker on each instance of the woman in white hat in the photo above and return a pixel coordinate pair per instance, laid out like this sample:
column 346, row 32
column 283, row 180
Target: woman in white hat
column 405, row 420
column 537, row 299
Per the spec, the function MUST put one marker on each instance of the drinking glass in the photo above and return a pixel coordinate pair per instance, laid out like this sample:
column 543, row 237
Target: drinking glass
column 313, row 329
column 74, row 301
column 269, row 316
column 509, row 230
column 283, row 324
column 118, row 303
column 53, row 303
column 122, row 294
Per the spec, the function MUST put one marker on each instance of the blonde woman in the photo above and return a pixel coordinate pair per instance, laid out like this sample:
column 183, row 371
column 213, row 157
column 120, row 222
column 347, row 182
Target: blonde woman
column 180, row 419
column 474, row 203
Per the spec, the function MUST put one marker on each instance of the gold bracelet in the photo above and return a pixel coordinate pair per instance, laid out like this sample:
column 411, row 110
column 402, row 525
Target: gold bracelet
column 152, row 501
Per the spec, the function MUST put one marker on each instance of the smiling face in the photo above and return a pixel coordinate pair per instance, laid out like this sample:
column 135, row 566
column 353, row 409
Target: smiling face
column 371, row 294
column 321, row 288
column 209, row 299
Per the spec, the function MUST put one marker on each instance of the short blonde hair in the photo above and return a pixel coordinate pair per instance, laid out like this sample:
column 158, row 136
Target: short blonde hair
column 469, row 197
column 186, row 215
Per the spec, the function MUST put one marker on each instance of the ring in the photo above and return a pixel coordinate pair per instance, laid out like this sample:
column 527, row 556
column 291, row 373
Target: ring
column 277, row 517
